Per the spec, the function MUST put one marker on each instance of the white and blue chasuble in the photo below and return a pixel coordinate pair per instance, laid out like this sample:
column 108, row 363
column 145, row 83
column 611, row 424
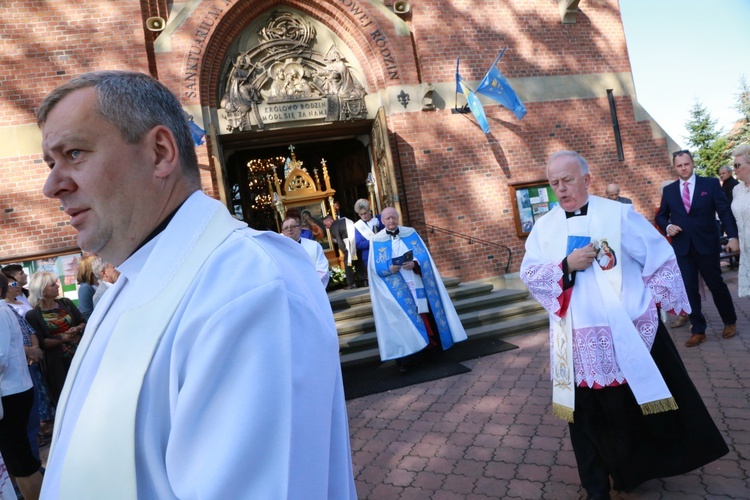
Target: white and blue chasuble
column 399, row 298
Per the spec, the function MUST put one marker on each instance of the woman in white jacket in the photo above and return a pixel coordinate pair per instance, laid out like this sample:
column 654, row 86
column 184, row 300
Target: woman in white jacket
column 17, row 394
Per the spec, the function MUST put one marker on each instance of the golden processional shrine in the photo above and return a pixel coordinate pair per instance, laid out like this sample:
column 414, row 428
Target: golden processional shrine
column 299, row 194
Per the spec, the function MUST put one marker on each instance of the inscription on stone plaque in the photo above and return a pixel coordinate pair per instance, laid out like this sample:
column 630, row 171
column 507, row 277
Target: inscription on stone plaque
column 293, row 111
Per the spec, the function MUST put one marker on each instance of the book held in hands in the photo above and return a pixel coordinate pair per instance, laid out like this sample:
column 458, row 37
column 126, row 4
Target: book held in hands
column 399, row 261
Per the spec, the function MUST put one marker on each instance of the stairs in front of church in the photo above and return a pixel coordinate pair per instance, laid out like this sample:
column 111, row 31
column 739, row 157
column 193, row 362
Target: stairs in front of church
column 483, row 310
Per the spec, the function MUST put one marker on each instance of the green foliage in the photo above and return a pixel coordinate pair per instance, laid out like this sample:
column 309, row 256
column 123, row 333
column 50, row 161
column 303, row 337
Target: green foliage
column 741, row 134
column 709, row 147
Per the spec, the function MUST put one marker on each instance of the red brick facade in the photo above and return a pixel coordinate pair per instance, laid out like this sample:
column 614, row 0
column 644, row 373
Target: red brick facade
column 449, row 173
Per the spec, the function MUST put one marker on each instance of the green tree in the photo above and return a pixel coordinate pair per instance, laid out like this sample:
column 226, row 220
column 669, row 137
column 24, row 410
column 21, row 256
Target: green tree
column 741, row 133
column 708, row 145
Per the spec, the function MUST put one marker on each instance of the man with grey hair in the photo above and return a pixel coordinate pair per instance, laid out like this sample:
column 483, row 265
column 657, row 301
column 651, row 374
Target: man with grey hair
column 365, row 228
column 727, row 180
column 613, row 193
column 601, row 269
column 192, row 379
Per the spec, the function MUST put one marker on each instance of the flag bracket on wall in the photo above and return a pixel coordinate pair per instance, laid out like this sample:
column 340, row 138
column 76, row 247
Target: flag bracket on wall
column 462, row 110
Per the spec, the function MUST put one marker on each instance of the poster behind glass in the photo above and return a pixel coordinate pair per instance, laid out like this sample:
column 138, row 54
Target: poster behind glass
column 533, row 201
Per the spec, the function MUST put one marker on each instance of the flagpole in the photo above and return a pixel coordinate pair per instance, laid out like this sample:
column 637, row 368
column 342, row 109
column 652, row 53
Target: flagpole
column 464, row 109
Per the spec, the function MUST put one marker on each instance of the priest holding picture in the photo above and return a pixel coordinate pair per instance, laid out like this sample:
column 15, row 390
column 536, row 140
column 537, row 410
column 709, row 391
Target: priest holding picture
column 634, row 414
column 412, row 309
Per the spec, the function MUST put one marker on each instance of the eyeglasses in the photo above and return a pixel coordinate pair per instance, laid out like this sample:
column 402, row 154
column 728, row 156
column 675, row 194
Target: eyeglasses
column 289, row 228
column 364, row 212
column 681, row 152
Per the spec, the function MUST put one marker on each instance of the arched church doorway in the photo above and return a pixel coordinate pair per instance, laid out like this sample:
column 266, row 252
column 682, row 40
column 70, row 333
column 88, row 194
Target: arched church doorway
column 249, row 174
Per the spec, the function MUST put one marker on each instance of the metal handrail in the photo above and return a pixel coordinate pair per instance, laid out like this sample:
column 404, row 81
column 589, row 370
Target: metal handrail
column 470, row 239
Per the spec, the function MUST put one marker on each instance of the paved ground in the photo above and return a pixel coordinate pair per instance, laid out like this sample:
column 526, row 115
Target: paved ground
column 490, row 433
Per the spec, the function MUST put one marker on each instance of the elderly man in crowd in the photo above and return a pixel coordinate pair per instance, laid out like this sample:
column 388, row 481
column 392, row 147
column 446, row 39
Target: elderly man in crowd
column 613, row 193
column 634, row 413
column 410, row 304
column 364, row 228
column 727, row 181
column 193, row 378
column 291, row 228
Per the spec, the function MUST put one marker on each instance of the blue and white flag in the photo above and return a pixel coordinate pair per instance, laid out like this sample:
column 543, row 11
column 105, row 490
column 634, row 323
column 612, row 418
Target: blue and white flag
column 476, row 107
column 495, row 86
column 197, row 132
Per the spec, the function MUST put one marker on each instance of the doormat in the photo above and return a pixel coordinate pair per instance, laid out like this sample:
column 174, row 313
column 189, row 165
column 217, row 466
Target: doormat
column 373, row 378
column 476, row 348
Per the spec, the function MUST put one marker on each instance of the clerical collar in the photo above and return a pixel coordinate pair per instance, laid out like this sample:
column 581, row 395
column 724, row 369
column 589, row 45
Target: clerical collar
column 161, row 227
column 392, row 233
column 581, row 211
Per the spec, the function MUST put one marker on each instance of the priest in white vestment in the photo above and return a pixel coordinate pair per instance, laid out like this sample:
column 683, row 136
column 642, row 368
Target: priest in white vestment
column 208, row 370
column 404, row 292
column 291, row 228
column 602, row 271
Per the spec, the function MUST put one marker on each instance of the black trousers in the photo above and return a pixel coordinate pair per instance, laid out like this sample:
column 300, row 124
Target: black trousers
column 709, row 267
column 612, row 438
column 14, row 440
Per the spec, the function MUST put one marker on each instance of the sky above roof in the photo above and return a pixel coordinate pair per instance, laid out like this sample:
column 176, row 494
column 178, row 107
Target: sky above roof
column 684, row 51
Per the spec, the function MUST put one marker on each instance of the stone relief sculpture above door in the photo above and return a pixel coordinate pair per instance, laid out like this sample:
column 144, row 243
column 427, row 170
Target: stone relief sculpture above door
column 284, row 76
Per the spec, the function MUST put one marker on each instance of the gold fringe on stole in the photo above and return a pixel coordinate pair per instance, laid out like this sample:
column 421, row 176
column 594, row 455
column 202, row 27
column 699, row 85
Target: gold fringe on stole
column 659, row 406
column 562, row 412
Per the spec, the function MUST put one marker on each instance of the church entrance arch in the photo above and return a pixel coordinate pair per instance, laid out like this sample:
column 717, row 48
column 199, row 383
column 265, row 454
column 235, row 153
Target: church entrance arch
column 289, row 81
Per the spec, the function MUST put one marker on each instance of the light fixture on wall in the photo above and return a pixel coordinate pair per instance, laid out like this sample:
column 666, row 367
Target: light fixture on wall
column 156, row 24
column 401, row 7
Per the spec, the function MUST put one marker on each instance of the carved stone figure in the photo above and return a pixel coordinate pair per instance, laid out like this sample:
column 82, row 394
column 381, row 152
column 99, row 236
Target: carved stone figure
column 285, row 67
column 336, row 77
column 241, row 93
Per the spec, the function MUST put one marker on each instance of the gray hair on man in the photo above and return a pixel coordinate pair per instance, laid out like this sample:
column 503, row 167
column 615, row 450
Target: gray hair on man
column 361, row 204
column 135, row 103
column 572, row 154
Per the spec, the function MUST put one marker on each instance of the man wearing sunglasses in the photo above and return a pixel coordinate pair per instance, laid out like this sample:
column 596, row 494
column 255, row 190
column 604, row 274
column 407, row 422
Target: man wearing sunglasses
column 688, row 215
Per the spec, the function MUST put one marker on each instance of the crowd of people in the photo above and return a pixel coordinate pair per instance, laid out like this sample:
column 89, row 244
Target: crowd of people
column 174, row 355
column 50, row 327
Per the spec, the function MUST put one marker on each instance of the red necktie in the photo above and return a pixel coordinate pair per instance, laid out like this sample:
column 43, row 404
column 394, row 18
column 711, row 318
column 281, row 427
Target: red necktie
column 686, row 196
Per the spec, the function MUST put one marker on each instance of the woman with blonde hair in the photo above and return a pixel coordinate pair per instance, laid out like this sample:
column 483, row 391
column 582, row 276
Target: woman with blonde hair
column 59, row 325
column 87, row 283
column 741, row 211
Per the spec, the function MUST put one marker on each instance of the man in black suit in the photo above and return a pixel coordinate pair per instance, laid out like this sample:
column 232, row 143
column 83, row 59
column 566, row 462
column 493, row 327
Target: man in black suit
column 688, row 214
column 727, row 181
column 342, row 232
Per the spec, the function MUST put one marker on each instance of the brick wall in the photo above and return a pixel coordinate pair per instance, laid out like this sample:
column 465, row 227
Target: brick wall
column 451, row 175
column 43, row 44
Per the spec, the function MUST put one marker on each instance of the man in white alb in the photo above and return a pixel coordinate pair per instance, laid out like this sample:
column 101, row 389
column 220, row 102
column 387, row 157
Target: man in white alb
column 208, row 370
column 291, row 228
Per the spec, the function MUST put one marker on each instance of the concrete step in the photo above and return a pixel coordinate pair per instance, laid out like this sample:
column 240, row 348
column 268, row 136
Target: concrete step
column 467, row 297
column 357, row 332
column 528, row 323
column 345, row 300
